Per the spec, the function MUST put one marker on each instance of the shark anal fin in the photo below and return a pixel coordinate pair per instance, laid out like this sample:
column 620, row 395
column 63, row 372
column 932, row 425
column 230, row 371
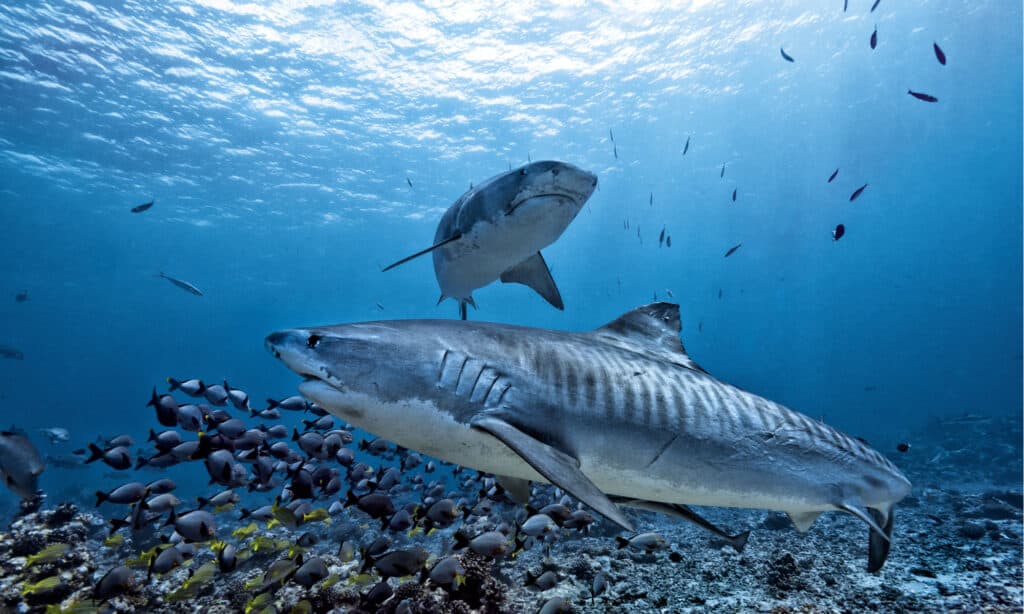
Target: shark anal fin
column 454, row 237
column 738, row 541
column 556, row 466
column 517, row 488
column 878, row 543
column 533, row 272
column 803, row 520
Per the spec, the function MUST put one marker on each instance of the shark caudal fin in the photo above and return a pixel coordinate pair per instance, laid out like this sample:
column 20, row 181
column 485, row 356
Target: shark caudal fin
column 534, row 273
column 879, row 543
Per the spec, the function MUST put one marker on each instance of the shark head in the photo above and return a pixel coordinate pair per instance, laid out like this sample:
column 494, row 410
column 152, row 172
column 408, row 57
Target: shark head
column 504, row 221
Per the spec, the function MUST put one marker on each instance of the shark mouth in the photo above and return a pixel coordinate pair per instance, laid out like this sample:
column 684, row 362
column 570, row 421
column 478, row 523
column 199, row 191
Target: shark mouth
column 516, row 203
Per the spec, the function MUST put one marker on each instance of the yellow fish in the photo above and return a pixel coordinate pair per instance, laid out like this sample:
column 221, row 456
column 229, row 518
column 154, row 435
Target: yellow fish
column 48, row 554
column 43, row 586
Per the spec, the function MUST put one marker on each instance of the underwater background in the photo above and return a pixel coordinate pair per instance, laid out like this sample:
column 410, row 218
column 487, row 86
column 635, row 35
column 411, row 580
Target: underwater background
column 294, row 148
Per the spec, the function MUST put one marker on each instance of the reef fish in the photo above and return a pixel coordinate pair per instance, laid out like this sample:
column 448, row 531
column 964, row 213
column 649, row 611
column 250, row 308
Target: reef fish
column 184, row 285
column 540, row 405
column 20, row 464
column 497, row 229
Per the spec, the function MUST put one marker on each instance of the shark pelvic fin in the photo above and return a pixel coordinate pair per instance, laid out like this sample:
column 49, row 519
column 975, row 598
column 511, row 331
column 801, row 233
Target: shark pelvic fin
column 863, row 514
column 556, row 466
column 803, row 520
column 738, row 541
column 453, row 238
column 534, row 273
column 651, row 329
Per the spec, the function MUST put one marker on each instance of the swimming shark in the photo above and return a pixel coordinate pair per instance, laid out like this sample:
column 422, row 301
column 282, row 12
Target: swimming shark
column 497, row 229
column 621, row 412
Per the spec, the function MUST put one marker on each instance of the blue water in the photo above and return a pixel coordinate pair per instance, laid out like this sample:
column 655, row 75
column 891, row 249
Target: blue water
column 276, row 140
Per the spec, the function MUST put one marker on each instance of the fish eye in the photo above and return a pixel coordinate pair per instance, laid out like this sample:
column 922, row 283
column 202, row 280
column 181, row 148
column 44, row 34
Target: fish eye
column 313, row 341
column 554, row 171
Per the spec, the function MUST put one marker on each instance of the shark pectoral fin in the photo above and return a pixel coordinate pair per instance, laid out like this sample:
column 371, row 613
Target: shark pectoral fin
column 738, row 541
column 878, row 543
column 454, row 237
column 533, row 272
column 556, row 466
column 517, row 488
column 803, row 520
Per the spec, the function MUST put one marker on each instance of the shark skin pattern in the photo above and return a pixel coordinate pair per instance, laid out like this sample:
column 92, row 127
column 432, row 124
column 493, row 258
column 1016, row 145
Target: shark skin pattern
column 619, row 413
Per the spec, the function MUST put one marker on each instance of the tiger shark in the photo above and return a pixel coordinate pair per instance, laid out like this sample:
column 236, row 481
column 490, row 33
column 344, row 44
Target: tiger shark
column 497, row 229
column 619, row 414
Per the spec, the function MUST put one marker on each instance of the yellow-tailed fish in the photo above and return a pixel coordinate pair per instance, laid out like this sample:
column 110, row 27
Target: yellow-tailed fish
column 114, row 541
column 302, row 607
column 246, row 531
column 258, row 602
column 41, row 587
column 48, row 554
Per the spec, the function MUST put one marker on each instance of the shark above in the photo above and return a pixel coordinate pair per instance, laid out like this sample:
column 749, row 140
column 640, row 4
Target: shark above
column 619, row 415
column 497, row 229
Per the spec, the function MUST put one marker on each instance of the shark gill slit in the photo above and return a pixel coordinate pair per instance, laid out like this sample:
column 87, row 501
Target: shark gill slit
column 458, row 378
column 440, row 371
column 476, row 381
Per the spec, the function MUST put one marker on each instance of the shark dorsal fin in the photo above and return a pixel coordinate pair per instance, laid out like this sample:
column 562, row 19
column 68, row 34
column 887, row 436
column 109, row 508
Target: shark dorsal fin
column 651, row 329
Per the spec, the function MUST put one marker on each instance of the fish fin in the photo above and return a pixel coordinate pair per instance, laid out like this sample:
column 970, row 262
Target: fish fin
column 803, row 520
column 534, row 273
column 862, row 513
column 684, row 512
column 878, row 543
column 462, row 310
column 453, row 238
column 651, row 329
column 558, row 467
column 518, row 488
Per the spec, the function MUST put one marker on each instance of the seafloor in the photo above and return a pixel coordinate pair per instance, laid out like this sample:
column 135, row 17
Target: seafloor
column 957, row 548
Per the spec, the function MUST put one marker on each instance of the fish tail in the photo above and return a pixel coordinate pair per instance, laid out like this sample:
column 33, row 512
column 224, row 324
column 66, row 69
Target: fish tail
column 95, row 453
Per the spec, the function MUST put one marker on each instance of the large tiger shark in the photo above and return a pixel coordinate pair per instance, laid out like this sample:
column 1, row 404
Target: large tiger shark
column 621, row 412
column 497, row 229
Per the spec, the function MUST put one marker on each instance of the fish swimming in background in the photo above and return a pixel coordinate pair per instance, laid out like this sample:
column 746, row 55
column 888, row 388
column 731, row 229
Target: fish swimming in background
column 184, row 285
column 722, row 174
column 923, row 96
column 409, row 181
column 874, row 6
column 874, row 38
column 786, row 56
column 497, row 230
column 668, row 241
column 732, row 250
column 611, row 136
column 833, row 176
column 734, row 196
column 620, row 415
column 56, row 434
column 903, row 447
column 20, row 464
column 21, row 297
column 857, row 192
column 846, row 4
column 719, row 293
column 661, row 237
column 686, row 147
column 615, row 150
column 939, row 55
column 838, row 232
column 142, row 207
column 650, row 201
column 7, row 351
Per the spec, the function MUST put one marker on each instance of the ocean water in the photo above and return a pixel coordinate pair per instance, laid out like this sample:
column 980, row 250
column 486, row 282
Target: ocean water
column 294, row 148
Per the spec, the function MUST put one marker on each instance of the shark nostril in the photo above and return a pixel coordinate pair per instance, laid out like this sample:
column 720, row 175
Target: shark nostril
column 313, row 341
column 554, row 172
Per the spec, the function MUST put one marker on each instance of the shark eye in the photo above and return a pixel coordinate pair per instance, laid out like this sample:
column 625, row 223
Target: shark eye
column 313, row 341
column 554, row 172
column 522, row 171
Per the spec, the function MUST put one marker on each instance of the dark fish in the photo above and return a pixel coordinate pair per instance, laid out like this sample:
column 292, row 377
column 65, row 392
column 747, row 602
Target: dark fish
column 409, row 181
column 686, row 147
column 117, row 581
column 119, row 458
column 615, row 150
column 668, row 241
column 650, row 201
column 22, row 296
column 874, row 38
column 700, row 326
column 13, row 353
column 661, row 237
column 734, row 196
column 845, row 5
column 838, row 233
column 874, row 6
column 20, row 464
column 610, row 135
column 857, row 192
column 732, row 250
column 142, row 207
column 722, row 174
column 923, row 96
column 719, row 293
column 903, row 447
column 785, row 56
column 832, row 177
column 939, row 55
column 184, row 285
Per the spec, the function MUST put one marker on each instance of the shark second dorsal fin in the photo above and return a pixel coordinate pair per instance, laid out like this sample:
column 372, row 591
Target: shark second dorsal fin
column 651, row 329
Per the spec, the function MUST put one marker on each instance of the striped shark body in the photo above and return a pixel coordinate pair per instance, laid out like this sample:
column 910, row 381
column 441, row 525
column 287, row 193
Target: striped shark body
column 619, row 414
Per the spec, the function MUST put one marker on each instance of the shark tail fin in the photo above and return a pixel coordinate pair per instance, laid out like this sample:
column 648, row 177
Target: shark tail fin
column 534, row 273
column 451, row 239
